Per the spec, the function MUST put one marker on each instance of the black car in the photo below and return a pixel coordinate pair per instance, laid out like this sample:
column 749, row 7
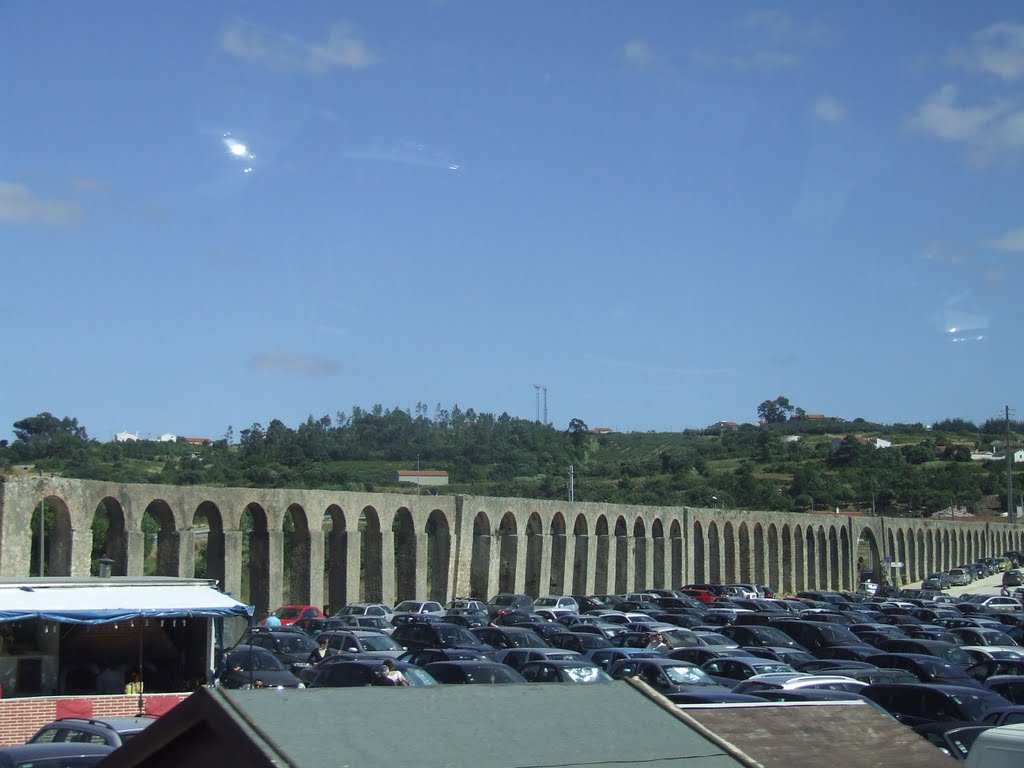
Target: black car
column 361, row 641
column 920, row 704
column 353, row 673
column 73, row 754
column 581, row 642
column 947, row 651
column 291, row 647
column 506, row 601
column 256, row 668
column 817, row 636
column 983, row 670
column 927, row 669
column 437, row 635
column 473, row 673
column 955, row 737
column 578, row 671
column 1010, row 687
column 757, row 635
column 423, row 656
column 666, row 675
column 112, row 731
column 501, row 638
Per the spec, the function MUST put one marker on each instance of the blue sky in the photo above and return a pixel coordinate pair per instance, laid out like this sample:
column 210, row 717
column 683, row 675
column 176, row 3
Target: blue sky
column 216, row 214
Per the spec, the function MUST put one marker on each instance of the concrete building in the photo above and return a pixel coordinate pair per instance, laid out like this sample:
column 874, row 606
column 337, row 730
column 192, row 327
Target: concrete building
column 421, row 477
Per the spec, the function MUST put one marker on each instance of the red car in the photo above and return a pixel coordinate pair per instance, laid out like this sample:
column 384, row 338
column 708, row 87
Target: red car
column 700, row 594
column 289, row 614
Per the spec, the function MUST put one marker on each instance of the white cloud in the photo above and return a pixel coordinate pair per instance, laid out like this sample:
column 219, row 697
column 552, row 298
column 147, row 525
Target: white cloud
column 1010, row 241
column 998, row 50
column 939, row 116
column 829, row 109
column 770, row 22
column 758, row 61
column 283, row 53
column 289, row 362
column 18, row 205
column 638, row 54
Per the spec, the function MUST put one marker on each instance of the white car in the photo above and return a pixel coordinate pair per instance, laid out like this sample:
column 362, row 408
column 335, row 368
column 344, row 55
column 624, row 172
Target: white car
column 366, row 609
column 420, row 606
column 558, row 604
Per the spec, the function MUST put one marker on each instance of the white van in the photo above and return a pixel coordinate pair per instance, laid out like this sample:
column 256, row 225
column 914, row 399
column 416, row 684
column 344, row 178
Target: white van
column 1001, row 747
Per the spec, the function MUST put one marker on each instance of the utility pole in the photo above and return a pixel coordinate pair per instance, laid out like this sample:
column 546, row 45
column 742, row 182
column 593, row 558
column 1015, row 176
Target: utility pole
column 536, row 389
column 1011, row 511
column 545, row 388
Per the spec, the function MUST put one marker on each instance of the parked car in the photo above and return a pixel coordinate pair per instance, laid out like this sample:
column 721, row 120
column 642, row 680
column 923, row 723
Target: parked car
column 423, row 656
column 111, row 731
column 291, row 648
column 1013, row 578
column 473, row 672
column 607, row 657
column 517, row 657
column 506, row 601
column 73, row 754
column 915, row 705
column 791, row 681
column 665, row 675
column 437, row 635
column 362, row 641
column 502, row 638
column 348, row 673
column 253, row 667
column 557, row 604
column 730, row 671
column 289, row 614
column 366, row 609
column 564, row 671
column 927, row 669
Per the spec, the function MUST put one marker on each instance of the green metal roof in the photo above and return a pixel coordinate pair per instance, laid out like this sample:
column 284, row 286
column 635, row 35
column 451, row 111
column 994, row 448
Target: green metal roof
column 484, row 726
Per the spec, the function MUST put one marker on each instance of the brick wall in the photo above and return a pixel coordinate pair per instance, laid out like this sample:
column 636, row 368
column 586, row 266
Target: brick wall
column 20, row 718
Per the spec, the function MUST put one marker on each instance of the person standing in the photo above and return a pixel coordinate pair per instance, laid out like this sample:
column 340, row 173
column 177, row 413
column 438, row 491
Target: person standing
column 319, row 653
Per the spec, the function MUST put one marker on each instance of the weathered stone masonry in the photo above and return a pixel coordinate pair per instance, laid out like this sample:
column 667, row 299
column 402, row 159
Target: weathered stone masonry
column 387, row 547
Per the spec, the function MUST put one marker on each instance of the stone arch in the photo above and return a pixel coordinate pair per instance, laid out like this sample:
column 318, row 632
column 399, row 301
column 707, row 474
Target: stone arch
column 371, row 582
column 922, row 556
column 834, row 572
column 110, row 537
column 821, row 547
column 700, row 569
column 640, row 554
column 788, row 561
column 930, row 559
column 581, row 555
column 208, row 543
column 675, row 536
column 844, row 545
column 556, row 583
column 759, row 575
column 745, row 574
column 945, row 550
column 439, row 556
column 336, row 554
column 601, row 569
column 869, row 554
column 729, row 544
column 297, row 567
column 913, row 573
column 256, row 558
column 534, row 555
column 771, row 576
column 509, row 549
column 901, row 555
column 714, row 558
column 799, row 582
column 480, row 562
column 621, row 556
column 658, row 553
column 406, row 559
column 50, row 553
column 812, row 560
column 162, row 546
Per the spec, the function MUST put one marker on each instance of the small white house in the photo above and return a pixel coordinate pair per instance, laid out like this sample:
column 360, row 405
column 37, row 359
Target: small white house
column 167, row 438
column 126, row 437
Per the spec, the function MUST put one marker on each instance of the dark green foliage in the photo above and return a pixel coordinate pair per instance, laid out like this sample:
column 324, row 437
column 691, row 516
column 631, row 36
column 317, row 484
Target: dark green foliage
column 745, row 466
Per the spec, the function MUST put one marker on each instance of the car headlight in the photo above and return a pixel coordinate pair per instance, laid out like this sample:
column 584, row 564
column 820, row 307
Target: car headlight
column 301, row 685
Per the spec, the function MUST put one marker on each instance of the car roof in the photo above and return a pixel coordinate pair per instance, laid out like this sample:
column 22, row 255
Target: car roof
column 22, row 752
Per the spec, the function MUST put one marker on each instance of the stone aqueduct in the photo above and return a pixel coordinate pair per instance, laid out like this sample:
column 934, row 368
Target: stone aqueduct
column 386, row 547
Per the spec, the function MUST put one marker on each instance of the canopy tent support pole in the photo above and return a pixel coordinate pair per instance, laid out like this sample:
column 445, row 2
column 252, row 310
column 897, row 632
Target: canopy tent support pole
column 142, row 702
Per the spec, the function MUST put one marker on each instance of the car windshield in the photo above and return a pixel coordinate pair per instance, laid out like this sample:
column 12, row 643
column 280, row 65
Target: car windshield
column 288, row 612
column 256, row 661
column 296, row 644
column 491, row 674
column 586, row 674
column 417, row 676
column 684, row 674
column 976, row 703
column 772, row 636
column 379, row 643
column 526, row 639
column 546, row 602
column 409, row 606
column 457, row 636
column 714, row 638
column 836, row 634
column 765, row 668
